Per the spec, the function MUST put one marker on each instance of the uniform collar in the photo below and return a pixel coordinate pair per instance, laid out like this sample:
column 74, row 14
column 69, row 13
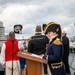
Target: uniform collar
column 38, row 33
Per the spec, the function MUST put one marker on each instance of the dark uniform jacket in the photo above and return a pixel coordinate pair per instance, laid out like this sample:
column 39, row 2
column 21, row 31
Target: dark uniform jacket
column 65, row 41
column 37, row 44
column 55, row 57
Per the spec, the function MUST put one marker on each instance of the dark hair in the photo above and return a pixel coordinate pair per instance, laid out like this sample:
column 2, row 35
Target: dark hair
column 11, row 34
column 18, row 25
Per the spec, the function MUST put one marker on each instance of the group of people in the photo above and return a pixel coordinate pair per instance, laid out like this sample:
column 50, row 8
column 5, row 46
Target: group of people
column 52, row 46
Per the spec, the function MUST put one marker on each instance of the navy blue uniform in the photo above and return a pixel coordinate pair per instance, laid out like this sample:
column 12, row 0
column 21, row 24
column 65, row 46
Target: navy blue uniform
column 55, row 56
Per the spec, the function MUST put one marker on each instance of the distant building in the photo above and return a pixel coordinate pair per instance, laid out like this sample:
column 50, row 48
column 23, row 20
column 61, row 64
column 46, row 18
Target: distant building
column 2, row 30
column 1, row 24
column 2, row 33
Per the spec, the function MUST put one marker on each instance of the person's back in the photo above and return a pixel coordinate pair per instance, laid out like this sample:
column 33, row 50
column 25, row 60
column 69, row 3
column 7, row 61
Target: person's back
column 37, row 44
column 11, row 48
column 9, row 55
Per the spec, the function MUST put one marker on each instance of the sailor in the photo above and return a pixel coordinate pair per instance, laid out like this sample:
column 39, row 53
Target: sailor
column 55, row 49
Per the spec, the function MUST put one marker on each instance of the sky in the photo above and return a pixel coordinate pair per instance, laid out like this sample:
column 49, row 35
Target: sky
column 31, row 13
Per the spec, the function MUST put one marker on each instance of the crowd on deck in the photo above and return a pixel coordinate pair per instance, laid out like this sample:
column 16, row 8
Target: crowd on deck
column 52, row 46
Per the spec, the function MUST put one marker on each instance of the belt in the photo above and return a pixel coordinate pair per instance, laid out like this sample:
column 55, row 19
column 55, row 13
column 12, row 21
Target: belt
column 56, row 65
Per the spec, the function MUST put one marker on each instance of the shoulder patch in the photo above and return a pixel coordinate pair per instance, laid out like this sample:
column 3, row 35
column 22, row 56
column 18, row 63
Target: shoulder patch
column 57, row 42
column 29, row 39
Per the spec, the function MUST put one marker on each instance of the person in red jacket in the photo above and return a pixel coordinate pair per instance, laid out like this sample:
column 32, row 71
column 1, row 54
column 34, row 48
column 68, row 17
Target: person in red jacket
column 9, row 51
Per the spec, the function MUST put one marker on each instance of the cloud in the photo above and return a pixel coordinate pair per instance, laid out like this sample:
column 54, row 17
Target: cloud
column 17, row 14
column 30, row 13
column 29, row 30
column 70, row 29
